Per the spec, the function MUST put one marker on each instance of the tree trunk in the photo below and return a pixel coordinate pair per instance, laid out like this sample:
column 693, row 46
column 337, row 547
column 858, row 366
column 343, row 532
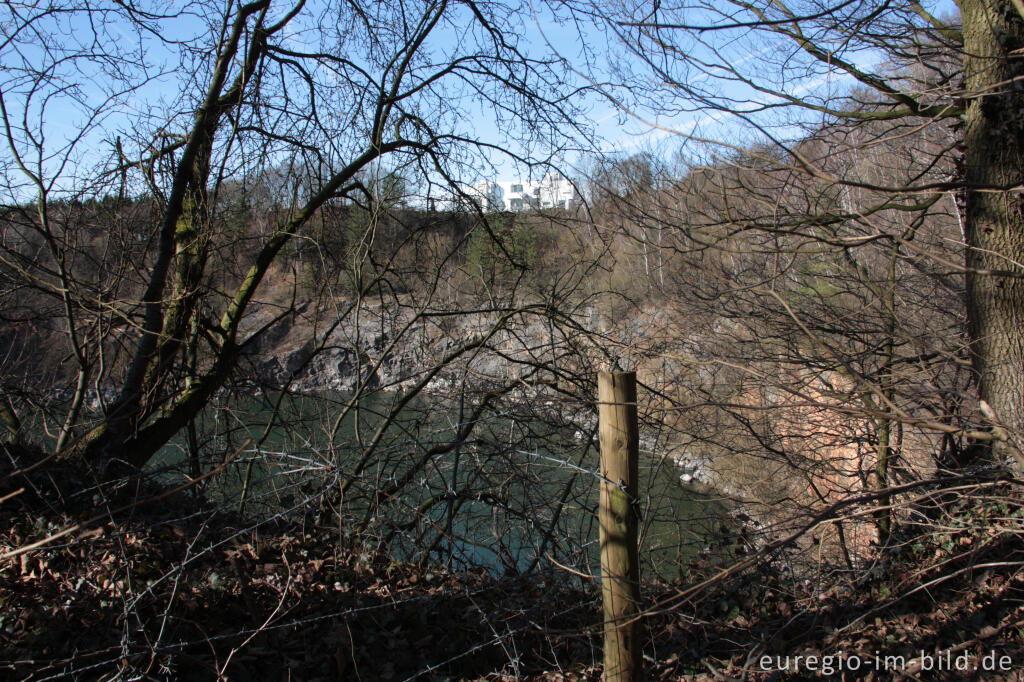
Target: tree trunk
column 993, row 166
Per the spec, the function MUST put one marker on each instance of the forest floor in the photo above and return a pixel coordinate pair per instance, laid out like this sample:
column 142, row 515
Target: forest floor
column 152, row 594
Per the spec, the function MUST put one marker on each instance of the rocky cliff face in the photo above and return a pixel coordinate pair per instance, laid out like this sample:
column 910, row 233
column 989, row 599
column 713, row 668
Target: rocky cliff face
column 378, row 349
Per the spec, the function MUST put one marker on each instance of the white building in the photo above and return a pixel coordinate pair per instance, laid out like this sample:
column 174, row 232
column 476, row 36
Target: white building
column 488, row 194
column 552, row 191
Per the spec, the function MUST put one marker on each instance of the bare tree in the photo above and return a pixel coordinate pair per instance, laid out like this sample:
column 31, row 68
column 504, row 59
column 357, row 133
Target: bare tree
column 199, row 109
column 779, row 72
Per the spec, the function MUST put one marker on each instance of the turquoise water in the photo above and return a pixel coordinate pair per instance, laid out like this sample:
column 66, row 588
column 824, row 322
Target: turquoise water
column 515, row 492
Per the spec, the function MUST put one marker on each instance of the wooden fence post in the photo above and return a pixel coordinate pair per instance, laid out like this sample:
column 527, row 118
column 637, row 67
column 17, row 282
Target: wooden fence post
column 620, row 561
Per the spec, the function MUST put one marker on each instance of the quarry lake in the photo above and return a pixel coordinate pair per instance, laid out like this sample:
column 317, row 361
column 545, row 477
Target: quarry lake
column 463, row 483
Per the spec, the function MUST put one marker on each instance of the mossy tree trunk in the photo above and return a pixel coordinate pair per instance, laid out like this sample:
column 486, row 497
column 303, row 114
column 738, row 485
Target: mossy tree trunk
column 993, row 173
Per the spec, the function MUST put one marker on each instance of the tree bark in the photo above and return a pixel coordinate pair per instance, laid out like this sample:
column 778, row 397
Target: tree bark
column 993, row 166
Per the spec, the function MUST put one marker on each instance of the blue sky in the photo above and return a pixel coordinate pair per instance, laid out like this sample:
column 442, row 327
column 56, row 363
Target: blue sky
column 634, row 128
column 624, row 130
